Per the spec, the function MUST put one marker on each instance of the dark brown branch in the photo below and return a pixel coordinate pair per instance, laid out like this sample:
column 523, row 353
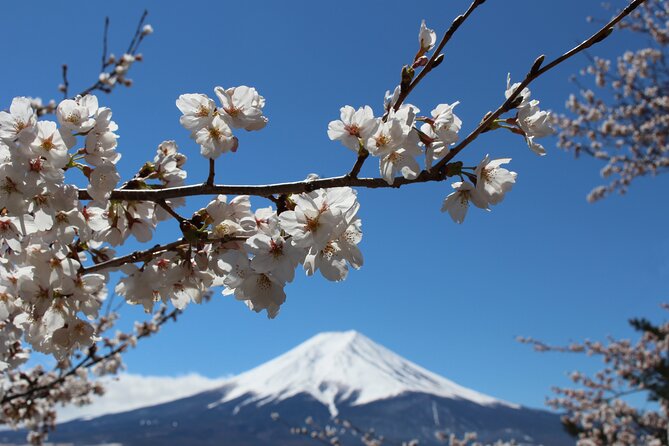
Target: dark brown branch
column 459, row 20
column 148, row 254
column 136, row 256
column 261, row 190
column 534, row 73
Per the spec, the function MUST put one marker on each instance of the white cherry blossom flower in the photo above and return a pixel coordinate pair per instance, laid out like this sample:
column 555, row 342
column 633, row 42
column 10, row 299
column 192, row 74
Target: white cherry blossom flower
column 260, row 291
column 243, row 105
column 20, row 122
column 388, row 137
column 102, row 181
column 493, row 181
column 77, row 114
column 342, row 250
column 52, row 144
column 510, row 89
column 457, row 203
column 445, row 123
column 536, row 124
column 390, row 99
column 216, row 138
column 274, row 255
column 316, row 215
column 353, row 127
column 198, row 111
column 237, row 211
column 101, row 140
column 427, row 38
column 400, row 161
column 267, row 221
column 310, row 225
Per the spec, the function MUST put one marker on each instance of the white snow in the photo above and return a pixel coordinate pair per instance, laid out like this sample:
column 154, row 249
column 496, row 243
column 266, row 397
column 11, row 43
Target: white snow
column 343, row 366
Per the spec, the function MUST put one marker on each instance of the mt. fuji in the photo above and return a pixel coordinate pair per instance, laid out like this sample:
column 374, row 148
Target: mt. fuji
column 343, row 366
column 336, row 374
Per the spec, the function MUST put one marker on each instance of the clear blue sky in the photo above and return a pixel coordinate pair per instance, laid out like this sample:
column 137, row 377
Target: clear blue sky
column 452, row 298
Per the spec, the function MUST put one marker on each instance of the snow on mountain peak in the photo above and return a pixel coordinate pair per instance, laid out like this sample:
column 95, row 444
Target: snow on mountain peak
column 343, row 366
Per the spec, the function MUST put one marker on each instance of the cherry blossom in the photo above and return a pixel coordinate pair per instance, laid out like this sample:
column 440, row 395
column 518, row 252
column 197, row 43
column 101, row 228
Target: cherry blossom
column 493, row 181
column 242, row 106
column 426, row 37
column 354, row 126
column 457, row 203
column 20, row 122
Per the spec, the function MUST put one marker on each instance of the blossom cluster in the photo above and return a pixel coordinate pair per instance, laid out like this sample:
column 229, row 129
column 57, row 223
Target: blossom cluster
column 50, row 239
column 598, row 411
column 253, row 255
column 397, row 141
column 620, row 118
column 211, row 126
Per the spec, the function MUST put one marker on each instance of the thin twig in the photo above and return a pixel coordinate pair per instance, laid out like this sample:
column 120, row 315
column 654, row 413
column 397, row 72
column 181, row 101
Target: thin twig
column 212, row 172
column 163, row 204
column 362, row 156
column 459, row 20
column 66, row 83
column 89, row 361
column 105, row 36
column 534, row 73
column 137, row 38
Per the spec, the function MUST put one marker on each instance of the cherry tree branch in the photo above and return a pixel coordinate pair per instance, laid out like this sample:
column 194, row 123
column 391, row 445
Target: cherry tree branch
column 437, row 173
column 113, row 76
column 91, row 359
column 534, row 73
column 136, row 256
column 459, row 20
column 261, row 190
column 148, row 254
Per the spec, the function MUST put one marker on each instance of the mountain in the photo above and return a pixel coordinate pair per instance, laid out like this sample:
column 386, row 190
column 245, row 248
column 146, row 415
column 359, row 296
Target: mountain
column 338, row 374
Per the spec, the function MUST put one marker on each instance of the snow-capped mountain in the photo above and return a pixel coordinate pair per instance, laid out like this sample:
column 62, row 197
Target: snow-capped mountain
column 343, row 374
column 343, row 366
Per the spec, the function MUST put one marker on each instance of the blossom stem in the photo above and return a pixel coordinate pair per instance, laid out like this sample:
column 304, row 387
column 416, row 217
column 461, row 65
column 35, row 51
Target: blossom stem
column 212, row 172
column 163, row 204
column 362, row 156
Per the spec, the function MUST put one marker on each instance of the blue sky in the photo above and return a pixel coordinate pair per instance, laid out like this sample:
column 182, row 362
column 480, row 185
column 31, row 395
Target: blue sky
column 452, row 298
